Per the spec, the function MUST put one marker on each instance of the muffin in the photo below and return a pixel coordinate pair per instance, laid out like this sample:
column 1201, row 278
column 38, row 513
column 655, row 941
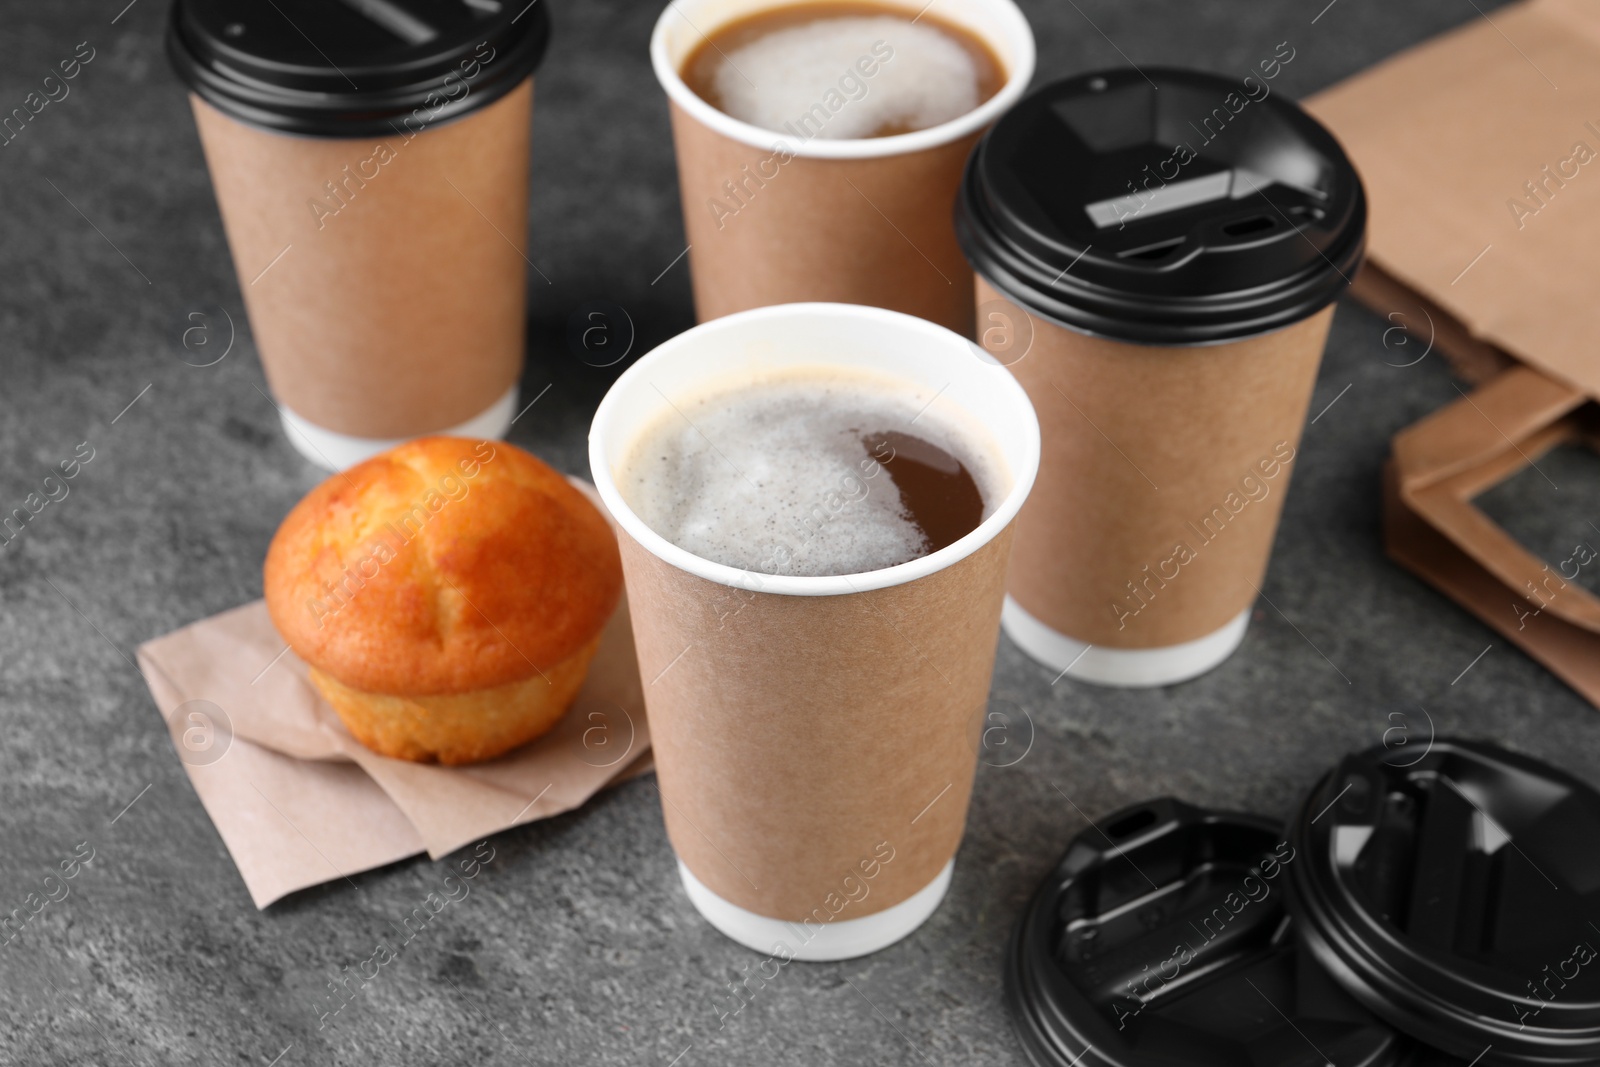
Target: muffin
column 448, row 596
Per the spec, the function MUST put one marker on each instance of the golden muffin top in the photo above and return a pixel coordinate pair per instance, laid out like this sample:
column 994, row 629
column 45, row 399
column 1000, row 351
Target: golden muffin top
column 442, row 566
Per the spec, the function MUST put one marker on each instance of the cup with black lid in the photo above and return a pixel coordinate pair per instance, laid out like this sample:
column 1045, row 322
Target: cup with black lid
column 1158, row 254
column 370, row 160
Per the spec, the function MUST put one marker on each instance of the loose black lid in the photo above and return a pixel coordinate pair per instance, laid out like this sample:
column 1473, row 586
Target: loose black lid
column 354, row 68
column 1164, row 941
column 1166, row 207
column 1457, row 895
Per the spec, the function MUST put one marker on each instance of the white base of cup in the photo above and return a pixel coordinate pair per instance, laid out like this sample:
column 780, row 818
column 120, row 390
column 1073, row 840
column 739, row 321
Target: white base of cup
column 1128, row 668
column 336, row 451
column 842, row 939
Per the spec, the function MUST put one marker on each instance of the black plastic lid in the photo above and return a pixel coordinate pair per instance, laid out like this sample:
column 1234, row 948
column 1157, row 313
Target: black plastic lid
column 1165, row 207
column 1164, row 941
column 1457, row 895
column 354, row 68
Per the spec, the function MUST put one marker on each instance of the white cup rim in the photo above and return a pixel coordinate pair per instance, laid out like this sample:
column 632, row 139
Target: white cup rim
column 1020, row 71
column 1023, row 469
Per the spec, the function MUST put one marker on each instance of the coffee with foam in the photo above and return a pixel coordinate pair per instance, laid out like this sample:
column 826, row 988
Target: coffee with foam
column 842, row 71
column 818, row 471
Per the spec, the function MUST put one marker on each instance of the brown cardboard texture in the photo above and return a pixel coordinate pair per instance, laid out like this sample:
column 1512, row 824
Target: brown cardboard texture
column 1432, row 527
column 795, row 736
column 769, row 227
column 1478, row 150
column 1161, row 478
column 384, row 278
column 1418, row 326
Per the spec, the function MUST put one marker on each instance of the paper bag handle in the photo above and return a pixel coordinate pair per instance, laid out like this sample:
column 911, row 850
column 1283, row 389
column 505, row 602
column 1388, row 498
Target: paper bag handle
column 1465, row 448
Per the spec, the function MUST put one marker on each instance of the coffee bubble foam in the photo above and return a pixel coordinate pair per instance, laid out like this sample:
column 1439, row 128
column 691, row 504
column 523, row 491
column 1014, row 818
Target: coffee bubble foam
column 806, row 80
column 774, row 477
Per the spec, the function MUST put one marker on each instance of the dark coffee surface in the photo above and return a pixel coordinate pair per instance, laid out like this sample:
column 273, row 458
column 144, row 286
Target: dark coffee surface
column 576, row 945
column 937, row 490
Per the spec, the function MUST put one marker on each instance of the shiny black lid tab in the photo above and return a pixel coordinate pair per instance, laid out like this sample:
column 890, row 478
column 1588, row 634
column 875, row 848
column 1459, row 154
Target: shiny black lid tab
column 1165, row 207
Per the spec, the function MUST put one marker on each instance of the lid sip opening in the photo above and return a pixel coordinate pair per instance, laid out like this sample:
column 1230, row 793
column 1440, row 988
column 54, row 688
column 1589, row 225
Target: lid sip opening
column 1166, row 207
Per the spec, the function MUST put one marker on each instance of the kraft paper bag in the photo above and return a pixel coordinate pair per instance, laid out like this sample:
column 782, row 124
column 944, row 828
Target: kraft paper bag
column 1432, row 527
column 1480, row 150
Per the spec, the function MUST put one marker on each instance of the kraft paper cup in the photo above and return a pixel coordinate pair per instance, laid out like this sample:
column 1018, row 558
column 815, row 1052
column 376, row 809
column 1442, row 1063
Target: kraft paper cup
column 378, row 232
column 1091, row 558
column 864, row 221
column 811, row 733
column 1165, row 304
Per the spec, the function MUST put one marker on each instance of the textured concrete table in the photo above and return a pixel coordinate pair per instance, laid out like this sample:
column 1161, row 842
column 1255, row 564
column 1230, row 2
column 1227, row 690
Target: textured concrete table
column 576, row 944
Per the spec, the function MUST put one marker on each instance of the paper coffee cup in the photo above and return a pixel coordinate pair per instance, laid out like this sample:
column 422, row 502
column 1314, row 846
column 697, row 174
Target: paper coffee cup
column 773, row 217
column 1157, row 268
column 374, row 192
column 811, row 734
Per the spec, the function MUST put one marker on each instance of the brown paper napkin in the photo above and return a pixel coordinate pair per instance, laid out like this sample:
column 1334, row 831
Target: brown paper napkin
column 298, row 801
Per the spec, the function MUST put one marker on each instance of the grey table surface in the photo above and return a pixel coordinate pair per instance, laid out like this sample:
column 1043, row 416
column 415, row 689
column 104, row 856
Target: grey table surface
column 577, row 944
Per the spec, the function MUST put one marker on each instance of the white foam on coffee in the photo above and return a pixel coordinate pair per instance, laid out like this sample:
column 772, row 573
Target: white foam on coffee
column 771, row 476
column 811, row 71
